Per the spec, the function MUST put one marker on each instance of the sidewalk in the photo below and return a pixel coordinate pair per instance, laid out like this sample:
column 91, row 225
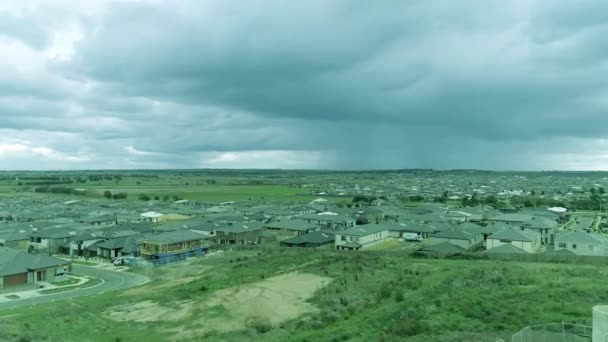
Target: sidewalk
column 94, row 262
column 6, row 297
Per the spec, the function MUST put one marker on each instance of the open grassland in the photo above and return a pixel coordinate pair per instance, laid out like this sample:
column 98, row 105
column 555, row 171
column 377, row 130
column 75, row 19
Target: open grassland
column 302, row 295
column 192, row 188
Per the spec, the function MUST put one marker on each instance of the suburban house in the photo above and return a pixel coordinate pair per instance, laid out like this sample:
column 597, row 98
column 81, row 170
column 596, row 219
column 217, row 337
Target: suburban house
column 422, row 230
column 527, row 240
column 328, row 220
column 312, row 239
column 172, row 217
column 469, row 239
column 117, row 247
column 506, row 248
column 582, row 243
column 512, row 219
column 18, row 268
column 18, row 240
column 50, row 240
column 457, row 216
column 239, row 234
column 172, row 246
column 151, row 216
column 292, row 227
column 99, row 220
column 546, row 227
column 361, row 237
column 77, row 244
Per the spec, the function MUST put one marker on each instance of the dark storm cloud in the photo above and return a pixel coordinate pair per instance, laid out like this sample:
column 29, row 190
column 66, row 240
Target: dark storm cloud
column 368, row 85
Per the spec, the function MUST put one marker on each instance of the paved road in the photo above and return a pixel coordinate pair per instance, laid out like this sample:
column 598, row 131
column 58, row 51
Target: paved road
column 112, row 281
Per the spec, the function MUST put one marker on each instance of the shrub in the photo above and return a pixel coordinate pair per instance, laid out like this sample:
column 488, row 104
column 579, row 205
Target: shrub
column 260, row 325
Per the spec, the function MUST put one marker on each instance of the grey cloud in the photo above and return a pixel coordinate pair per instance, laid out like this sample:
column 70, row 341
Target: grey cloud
column 369, row 85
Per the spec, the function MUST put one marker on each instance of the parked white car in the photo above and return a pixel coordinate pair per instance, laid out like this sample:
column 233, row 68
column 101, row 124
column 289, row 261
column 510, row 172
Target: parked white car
column 411, row 237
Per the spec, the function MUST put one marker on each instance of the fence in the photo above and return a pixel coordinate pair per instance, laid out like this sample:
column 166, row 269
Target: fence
column 531, row 257
column 554, row 332
column 571, row 259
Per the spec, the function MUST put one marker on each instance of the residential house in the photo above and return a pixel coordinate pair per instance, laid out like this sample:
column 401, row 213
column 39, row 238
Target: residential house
column 527, row 240
column 546, row 227
column 511, row 219
column 506, row 248
column 312, row 239
column 239, row 234
column 151, row 216
column 361, row 237
column 172, row 246
column 328, row 220
column 469, row 239
column 18, row 268
column 582, row 243
column 117, row 247
column 17, row 240
column 170, row 217
column 50, row 240
column 292, row 227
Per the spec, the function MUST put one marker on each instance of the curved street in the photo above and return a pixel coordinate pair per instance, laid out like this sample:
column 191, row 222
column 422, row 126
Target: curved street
column 112, row 281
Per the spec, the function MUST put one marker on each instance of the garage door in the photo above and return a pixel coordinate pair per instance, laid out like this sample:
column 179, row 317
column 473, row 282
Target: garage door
column 16, row 279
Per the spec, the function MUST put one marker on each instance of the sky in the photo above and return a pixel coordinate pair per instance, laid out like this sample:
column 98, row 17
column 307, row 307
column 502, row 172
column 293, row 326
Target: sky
column 317, row 84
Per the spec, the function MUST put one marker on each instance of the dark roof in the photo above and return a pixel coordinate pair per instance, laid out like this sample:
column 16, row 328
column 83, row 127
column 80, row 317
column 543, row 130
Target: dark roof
column 13, row 261
column 455, row 234
column 316, row 237
column 562, row 252
column 581, row 237
column 175, row 237
column 55, row 233
column 514, row 217
column 241, row 227
column 364, row 230
column 298, row 225
column 443, row 248
column 515, row 235
column 541, row 223
column 507, row 248
column 116, row 243
column 14, row 236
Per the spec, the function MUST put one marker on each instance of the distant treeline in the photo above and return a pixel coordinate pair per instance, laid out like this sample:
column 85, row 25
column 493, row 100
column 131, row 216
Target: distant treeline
column 57, row 190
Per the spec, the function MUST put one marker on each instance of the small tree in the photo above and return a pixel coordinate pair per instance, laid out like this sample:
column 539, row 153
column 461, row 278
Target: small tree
column 143, row 197
column 107, row 194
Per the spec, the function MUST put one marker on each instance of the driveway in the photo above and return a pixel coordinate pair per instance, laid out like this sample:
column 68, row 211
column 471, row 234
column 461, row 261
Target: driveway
column 112, row 281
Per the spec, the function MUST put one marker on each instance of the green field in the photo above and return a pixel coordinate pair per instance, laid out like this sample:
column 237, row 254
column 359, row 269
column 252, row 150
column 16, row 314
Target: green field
column 373, row 296
column 196, row 188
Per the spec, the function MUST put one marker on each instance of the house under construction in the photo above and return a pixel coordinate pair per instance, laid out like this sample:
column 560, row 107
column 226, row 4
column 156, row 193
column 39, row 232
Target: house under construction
column 173, row 246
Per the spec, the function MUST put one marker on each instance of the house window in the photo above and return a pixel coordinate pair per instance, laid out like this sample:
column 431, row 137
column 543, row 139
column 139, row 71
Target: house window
column 506, row 241
column 562, row 245
column 343, row 238
column 573, row 246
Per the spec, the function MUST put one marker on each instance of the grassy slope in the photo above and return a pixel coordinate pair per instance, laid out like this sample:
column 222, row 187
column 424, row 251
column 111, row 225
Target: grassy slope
column 373, row 297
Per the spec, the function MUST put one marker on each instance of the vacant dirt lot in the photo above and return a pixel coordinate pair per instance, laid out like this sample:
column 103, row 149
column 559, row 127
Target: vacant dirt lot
column 274, row 300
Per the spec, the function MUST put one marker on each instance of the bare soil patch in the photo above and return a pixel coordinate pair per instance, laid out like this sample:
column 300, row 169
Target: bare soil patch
column 273, row 301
